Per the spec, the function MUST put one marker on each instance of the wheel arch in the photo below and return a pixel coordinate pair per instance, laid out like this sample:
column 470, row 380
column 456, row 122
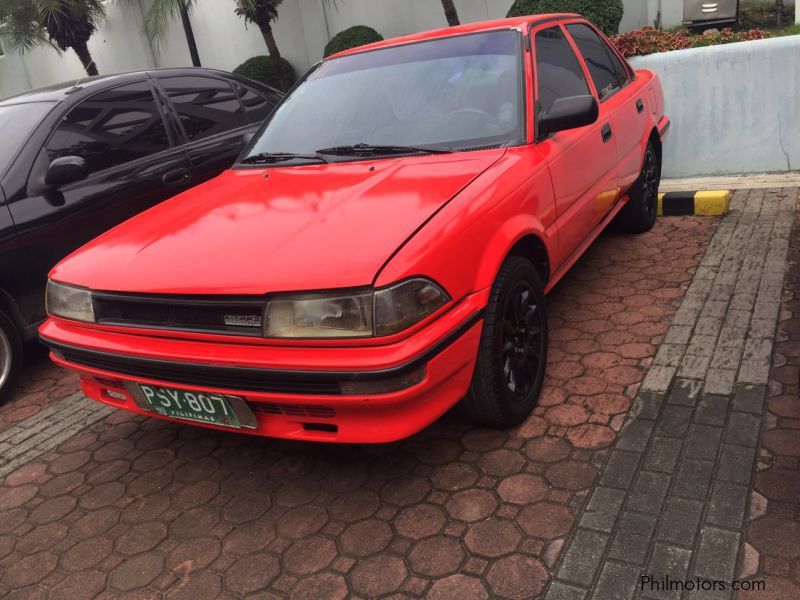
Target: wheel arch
column 520, row 236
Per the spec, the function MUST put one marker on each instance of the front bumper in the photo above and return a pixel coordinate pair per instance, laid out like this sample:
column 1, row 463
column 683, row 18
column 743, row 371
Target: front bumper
column 293, row 392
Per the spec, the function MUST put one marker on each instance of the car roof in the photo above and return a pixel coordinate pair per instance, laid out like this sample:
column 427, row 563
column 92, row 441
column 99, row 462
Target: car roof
column 512, row 23
column 60, row 91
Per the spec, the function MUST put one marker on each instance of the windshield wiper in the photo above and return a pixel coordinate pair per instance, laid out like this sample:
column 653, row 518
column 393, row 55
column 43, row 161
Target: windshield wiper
column 359, row 149
column 271, row 157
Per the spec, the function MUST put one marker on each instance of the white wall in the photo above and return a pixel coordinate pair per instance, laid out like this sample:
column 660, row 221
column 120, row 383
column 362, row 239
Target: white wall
column 733, row 108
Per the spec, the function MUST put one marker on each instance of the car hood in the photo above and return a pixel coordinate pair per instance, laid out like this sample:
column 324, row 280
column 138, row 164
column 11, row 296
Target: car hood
column 255, row 231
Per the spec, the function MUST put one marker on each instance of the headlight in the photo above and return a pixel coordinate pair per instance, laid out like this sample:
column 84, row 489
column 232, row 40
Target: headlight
column 358, row 314
column 69, row 302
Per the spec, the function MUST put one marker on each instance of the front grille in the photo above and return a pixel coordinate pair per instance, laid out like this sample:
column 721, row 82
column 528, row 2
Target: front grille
column 225, row 315
column 232, row 378
column 293, row 410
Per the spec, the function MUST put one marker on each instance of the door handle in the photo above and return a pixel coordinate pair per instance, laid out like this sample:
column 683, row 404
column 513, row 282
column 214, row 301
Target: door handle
column 175, row 177
column 639, row 105
column 607, row 133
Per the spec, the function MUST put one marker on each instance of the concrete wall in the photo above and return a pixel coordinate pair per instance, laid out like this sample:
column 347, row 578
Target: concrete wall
column 733, row 108
column 225, row 41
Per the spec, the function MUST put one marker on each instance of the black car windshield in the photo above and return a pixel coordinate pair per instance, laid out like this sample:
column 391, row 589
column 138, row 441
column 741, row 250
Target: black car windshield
column 447, row 94
column 17, row 122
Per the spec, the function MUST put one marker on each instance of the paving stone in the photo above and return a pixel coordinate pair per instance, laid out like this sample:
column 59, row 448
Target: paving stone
column 727, row 504
column 562, row 591
column 667, row 563
column 620, row 469
column 736, row 464
column 693, row 478
column 648, row 493
column 603, row 507
column 703, row 442
column 674, row 421
column 635, row 435
column 616, row 582
column 662, row 455
column 716, row 555
column 679, row 522
column 749, row 398
column 720, row 381
column 637, row 523
column 742, row 430
column 712, row 410
column 629, row 547
column 685, row 392
column 583, row 557
column 647, row 405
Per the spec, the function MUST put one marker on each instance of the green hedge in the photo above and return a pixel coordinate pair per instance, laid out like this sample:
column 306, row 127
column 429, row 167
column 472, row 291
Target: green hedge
column 606, row 14
column 358, row 35
column 277, row 73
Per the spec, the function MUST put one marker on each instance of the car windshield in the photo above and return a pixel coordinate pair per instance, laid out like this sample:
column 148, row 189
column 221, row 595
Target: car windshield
column 448, row 94
column 17, row 121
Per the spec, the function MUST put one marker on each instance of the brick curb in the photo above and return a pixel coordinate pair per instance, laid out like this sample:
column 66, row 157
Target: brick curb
column 700, row 203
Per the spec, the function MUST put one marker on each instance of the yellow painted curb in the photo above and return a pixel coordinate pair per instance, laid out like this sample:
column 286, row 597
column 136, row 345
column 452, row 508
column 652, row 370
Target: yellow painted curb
column 701, row 204
column 712, row 204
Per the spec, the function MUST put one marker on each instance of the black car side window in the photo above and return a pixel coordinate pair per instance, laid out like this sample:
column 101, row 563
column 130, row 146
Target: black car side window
column 608, row 73
column 111, row 128
column 557, row 68
column 257, row 105
column 206, row 106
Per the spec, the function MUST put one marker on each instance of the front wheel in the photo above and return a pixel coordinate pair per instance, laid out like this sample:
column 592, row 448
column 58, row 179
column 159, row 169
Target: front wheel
column 639, row 214
column 509, row 370
column 10, row 356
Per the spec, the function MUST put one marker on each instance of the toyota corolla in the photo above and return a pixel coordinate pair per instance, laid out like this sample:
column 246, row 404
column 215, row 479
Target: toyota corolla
column 382, row 249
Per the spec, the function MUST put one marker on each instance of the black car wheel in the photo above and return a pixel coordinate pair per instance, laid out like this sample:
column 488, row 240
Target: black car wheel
column 10, row 356
column 639, row 214
column 509, row 371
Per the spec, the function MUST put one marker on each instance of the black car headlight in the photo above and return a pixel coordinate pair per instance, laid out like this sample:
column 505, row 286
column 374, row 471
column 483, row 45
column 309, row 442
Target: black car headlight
column 357, row 314
column 69, row 302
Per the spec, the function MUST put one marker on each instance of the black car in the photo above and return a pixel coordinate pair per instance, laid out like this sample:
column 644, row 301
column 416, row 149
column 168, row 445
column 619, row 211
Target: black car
column 82, row 157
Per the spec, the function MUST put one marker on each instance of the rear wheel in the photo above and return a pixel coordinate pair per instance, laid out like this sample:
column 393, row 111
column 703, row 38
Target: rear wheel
column 639, row 214
column 10, row 356
column 512, row 356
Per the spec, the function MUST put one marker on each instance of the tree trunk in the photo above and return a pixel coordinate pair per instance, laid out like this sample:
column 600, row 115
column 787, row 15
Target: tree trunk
column 275, row 54
column 187, row 29
column 451, row 13
column 82, row 50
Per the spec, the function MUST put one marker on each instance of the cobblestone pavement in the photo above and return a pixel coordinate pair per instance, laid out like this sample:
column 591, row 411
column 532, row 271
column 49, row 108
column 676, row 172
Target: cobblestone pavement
column 151, row 508
column 773, row 530
column 42, row 383
column 673, row 493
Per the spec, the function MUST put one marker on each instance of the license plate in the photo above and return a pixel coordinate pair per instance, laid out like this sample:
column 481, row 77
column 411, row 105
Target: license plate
column 201, row 407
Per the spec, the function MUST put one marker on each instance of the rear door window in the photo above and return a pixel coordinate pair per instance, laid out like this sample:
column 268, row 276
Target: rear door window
column 607, row 71
column 558, row 70
column 111, row 128
column 206, row 106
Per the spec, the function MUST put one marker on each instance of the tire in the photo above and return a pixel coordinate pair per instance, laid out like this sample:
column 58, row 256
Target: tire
column 512, row 356
column 639, row 214
column 10, row 356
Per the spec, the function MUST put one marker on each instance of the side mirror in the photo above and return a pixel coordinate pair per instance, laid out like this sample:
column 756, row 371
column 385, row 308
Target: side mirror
column 569, row 113
column 66, row 169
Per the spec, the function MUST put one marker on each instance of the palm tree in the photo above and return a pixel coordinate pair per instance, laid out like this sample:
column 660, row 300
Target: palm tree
column 63, row 24
column 157, row 20
column 451, row 13
column 262, row 13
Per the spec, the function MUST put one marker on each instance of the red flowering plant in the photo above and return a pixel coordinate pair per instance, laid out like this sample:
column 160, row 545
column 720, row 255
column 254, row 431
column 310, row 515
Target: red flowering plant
column 649, row 40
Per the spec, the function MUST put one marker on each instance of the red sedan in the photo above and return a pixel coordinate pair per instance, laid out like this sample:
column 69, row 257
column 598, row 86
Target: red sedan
column 382, row 249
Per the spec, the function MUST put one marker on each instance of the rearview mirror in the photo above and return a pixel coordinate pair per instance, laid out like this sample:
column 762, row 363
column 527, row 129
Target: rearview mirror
column 66, row 169
column 569, row 113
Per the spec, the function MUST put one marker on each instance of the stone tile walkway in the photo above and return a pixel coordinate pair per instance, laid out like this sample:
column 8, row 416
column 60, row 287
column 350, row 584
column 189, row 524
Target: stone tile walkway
column 773, row 528
column 137, row 507
column 673, row 493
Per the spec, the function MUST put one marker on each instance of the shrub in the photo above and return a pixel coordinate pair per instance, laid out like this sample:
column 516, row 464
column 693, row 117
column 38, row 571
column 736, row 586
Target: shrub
column 358, row 35
column 649, row 40
column 277, row 73
column 606, row 14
